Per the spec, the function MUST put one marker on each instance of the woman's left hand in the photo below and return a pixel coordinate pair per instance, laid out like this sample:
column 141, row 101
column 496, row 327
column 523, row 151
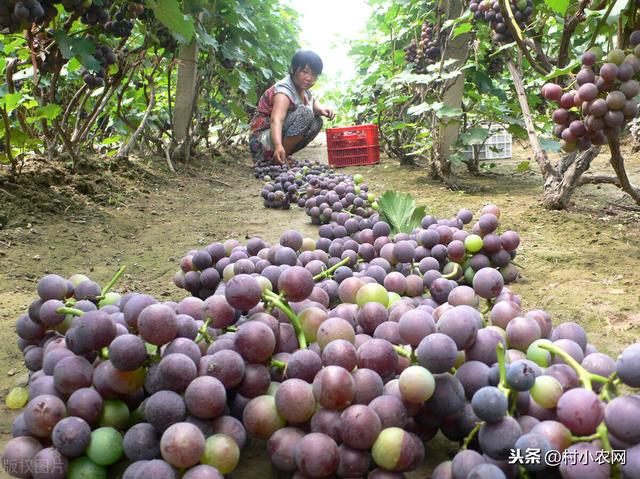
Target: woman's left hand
column 328, row 112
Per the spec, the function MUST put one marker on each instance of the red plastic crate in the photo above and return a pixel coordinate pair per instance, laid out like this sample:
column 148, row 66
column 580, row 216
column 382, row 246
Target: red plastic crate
column 353, row 145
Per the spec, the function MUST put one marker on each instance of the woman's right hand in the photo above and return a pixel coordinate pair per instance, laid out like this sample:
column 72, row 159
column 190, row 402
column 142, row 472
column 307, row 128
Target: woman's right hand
column 280, row 155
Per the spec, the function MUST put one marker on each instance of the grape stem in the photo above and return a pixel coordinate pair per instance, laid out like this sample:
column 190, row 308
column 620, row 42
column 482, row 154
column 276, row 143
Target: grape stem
column 485, row 311
column 328, row 272
column 402, row 352
column 593, row 437
column 279, row 364
column 457, row 269
column 72, row 311
column 281, row 304
column 472, row 434
column 609, row 388
column 113, row 281
column 523, row 473
column 203, row 332
column 500, row 353
column 583, row 374
column 230, row 329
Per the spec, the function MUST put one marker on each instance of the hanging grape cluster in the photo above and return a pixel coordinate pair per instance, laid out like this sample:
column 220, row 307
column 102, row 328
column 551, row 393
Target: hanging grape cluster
column 122, row 24
column 106, row 57
column 494, row 63
column 15, row 15
column 489, row 11
column 603, row 103
column 428, row 50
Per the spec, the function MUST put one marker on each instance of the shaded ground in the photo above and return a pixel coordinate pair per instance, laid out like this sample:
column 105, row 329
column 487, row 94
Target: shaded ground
column 581, row 265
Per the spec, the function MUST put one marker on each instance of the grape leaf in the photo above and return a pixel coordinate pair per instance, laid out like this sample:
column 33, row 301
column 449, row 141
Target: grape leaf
column 81, row 48
column 10, row 101
column 448, row 112
column 474, row 136
column 169, row 14
column 460, row 29
column 556, row 72
column 558, row 6
column 48, row 112
column 420, row 109
column 400, row 211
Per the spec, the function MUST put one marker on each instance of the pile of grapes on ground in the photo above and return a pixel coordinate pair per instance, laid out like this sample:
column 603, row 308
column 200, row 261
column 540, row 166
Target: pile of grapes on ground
column 317, row 188
column 342, row 356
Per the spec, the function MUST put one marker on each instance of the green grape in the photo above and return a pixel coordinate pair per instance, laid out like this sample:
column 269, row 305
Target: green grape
column 115, row 413
column 221, row 452
column 540, row 356
column 546, row 391
column 358, row 178
column 372, row 292
column 469, row 273
column 105, row 447
column 416, row 384
column 393, row 297
column 78, row 278
column 85, row 468
column 17, row 398
column 109, row 298
column 473, row 243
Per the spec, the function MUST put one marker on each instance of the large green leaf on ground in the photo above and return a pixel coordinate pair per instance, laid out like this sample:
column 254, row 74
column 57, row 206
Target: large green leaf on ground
column 400, row 211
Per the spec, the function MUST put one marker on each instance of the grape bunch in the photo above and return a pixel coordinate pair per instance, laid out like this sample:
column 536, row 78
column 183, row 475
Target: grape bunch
column 489, row 11
column 284, row 184
column 494, row 63
column 166, row 40
column 94, row 15
column 345, row 369
column 49, row 57
column 106, row 57
column 603, row 103
column 51, row 62
column 76, row 6
column 427, row 50
column 120, row 26
column 432, row 259
column 17, row 14
column 327, row 196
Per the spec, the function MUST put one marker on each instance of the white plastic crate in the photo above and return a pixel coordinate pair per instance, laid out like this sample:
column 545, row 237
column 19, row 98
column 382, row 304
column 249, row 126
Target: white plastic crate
column 497, row 146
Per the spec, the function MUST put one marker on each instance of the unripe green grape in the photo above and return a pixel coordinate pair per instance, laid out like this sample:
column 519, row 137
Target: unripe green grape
column 473, row 243
column 540, row 356
column 546, row 391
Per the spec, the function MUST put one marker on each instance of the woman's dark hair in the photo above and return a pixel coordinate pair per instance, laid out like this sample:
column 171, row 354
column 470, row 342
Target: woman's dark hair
column 302, row 58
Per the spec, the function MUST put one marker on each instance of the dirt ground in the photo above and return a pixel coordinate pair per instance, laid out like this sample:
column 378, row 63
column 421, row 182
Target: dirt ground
column 580, row 265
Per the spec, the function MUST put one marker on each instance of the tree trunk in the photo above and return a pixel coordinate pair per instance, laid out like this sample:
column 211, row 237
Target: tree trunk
column 448, row 131
column 184, row 98
column 558, row 189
